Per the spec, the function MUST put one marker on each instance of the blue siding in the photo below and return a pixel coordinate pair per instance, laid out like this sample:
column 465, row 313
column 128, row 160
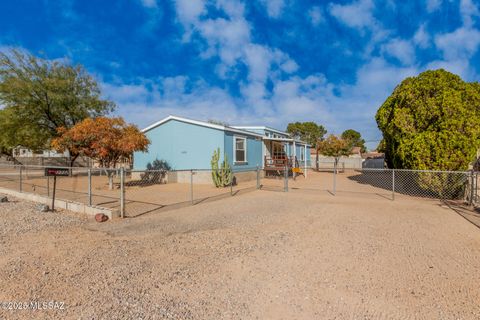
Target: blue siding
column 187, row 146
column 298, row 150
column 183, row 145
column 254, row 151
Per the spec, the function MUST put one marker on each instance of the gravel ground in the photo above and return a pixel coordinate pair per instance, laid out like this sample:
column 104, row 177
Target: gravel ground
column 262, row 255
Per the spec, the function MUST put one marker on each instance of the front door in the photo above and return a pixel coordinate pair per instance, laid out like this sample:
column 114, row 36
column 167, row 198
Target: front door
column 278, row 150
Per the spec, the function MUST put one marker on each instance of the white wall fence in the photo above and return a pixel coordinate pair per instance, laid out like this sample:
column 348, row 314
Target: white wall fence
column 347, row 163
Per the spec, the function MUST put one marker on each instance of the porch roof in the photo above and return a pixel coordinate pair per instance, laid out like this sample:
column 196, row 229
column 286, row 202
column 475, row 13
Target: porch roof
column 286, row 140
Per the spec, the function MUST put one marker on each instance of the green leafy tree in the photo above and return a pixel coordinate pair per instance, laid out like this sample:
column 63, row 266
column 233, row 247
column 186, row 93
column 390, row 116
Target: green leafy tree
column 310, row 132
column 431, row 122
column 381, row 146
column 354, row 139
column 40, row 96
column 334, row 146
column 17, row 131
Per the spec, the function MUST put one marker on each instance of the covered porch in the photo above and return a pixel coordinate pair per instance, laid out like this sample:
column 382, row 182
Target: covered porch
column 282, row 154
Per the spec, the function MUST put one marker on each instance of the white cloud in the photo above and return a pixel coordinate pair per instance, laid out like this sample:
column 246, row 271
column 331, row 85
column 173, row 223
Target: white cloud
column 422, row 37
column 274, row 7
column 225, row 38
column 289, row 66
column 188, row 11
column 258, row 58
column 459, row 44
column 315, row 15
column 358, row 14
column 433, row 5
column 149, row 3
column 125, row 92
column 229, row 38
column 468, row 10
column 400, row 49
column 150, row 100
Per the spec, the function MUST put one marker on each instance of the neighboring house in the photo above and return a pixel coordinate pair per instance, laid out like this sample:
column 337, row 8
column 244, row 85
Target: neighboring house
column 356, row 152
column 189, row 144
column 374, row 160
column 20, row 152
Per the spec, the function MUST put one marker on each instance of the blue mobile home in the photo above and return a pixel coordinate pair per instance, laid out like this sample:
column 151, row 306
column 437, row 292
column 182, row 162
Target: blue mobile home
column 189, row 144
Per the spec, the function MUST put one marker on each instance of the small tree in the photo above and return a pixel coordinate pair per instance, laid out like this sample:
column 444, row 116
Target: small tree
column 156, row 171
column 333, row 146
column 310, row 132
column 354, row 139
column 106, row 140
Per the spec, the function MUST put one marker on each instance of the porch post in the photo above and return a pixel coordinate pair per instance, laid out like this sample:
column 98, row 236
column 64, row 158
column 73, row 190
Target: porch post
column 294, row 150
column 294, row 159
column 264, row 152
column 305, row 160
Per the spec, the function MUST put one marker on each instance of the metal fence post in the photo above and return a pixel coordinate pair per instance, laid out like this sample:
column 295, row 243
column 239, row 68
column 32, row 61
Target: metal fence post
column 258, row 177
column 122, row 192
column 475, row 195
column 21, row 178
column 89, row 187
column 393, row 184
column 231, row 185
column 335, row 178
column 472, row 183
column 191, row 186
column 285, row 186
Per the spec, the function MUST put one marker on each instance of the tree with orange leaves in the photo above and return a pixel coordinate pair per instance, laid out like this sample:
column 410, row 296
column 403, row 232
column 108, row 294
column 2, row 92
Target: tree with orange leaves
column 106, row 140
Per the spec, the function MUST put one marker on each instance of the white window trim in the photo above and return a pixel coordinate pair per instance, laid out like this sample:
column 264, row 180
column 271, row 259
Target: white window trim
column 235, row 149
column 302, row 153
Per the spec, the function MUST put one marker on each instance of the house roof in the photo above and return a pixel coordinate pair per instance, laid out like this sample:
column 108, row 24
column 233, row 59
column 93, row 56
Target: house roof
column 200, row 123
column 373, row 155
column 235, row 129
column 356, row 150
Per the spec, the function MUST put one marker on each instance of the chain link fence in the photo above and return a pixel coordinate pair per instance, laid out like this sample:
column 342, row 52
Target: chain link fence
column 148, row 191
column 91, row 186
column 391, row 183
column 130, row 192
column 387, row 183
column 137, row 192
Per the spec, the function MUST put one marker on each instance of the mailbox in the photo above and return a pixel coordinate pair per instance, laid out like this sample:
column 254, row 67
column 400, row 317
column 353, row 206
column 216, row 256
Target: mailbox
column 57, row 172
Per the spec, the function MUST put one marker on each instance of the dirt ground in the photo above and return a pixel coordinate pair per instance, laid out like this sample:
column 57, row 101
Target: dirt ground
column 261, row 255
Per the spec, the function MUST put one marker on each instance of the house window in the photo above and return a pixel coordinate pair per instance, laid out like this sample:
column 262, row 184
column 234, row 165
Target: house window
column 240, row 149
column 302, row 153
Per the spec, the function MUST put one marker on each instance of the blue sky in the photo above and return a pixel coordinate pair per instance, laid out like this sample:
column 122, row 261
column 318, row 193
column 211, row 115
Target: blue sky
column 251, row 62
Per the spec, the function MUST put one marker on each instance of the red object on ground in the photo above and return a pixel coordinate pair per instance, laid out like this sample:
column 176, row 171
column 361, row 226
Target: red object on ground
column 100, row 217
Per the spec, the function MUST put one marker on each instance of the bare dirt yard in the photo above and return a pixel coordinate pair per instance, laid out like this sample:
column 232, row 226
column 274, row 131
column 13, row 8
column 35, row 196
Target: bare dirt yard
column 260, row 255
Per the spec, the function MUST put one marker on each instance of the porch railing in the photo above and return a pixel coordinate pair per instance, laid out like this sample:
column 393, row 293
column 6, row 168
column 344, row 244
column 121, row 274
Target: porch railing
column 280, row 162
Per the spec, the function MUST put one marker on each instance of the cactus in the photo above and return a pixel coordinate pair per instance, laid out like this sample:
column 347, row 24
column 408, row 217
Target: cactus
column 222, row 176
